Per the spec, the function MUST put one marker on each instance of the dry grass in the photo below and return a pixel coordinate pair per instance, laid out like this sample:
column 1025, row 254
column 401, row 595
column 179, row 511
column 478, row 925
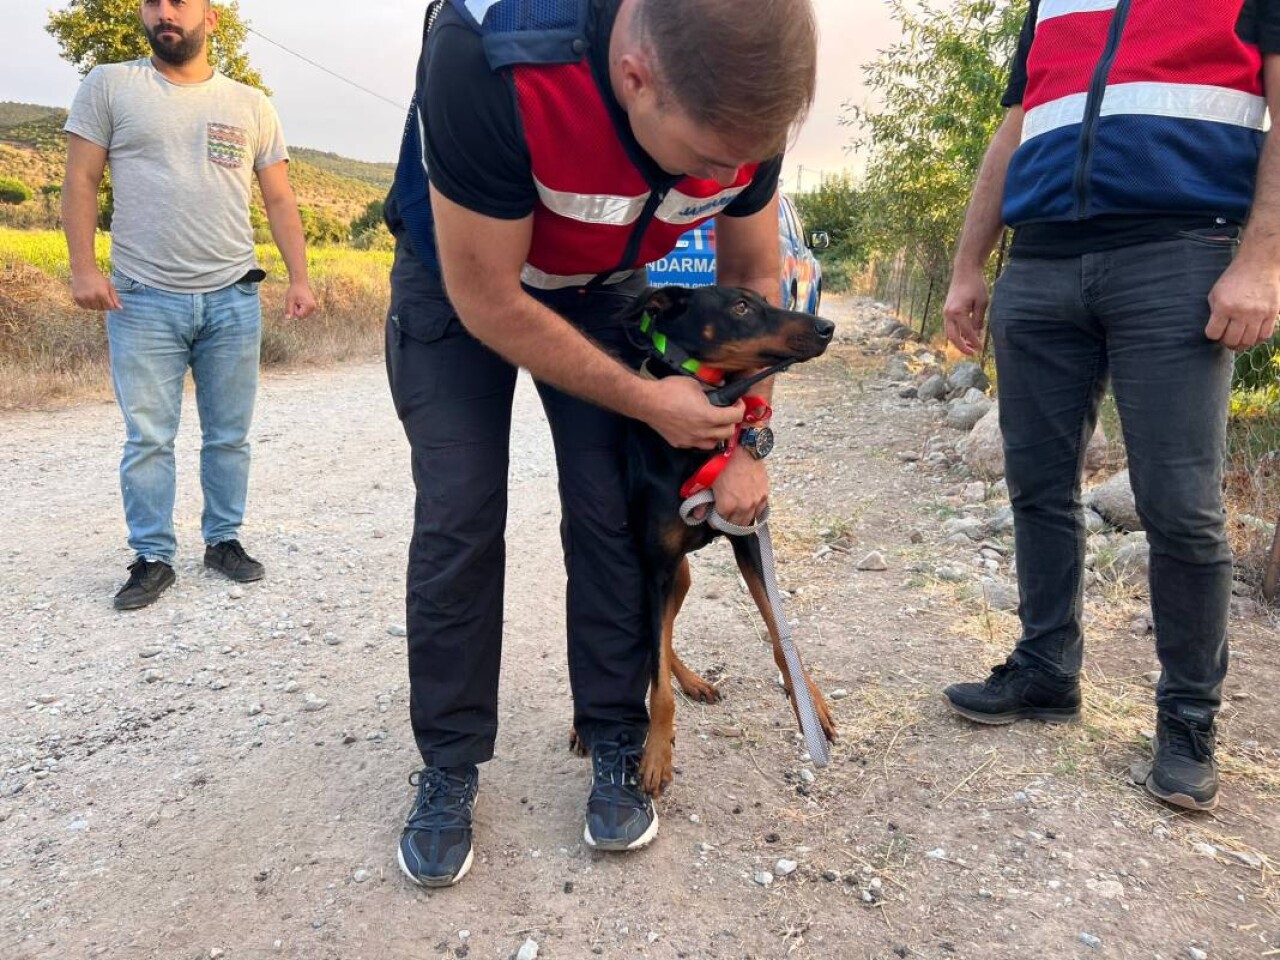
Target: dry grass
column 1120, row 710
column 51, row 352
column 1119, row 715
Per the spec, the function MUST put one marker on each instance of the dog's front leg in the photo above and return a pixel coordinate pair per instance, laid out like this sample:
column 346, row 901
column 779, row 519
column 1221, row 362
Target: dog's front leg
column 657, row 768
column 693, row 686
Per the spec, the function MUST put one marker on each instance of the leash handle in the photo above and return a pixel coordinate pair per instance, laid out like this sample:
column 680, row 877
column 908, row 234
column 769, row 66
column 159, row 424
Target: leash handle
column 815, row 740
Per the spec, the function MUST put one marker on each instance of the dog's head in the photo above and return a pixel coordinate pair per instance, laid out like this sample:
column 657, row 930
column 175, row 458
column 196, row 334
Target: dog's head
column 733, row 329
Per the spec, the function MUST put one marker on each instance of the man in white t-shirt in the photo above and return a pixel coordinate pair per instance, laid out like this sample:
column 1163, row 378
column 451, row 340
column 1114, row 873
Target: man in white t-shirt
column 184, row 144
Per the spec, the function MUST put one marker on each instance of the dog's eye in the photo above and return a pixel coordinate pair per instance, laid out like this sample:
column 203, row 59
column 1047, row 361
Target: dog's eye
column 740, row 308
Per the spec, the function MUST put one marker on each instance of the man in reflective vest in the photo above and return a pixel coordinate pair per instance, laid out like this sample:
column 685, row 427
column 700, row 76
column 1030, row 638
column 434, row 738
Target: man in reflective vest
column 552, row 149
column 1130, row 160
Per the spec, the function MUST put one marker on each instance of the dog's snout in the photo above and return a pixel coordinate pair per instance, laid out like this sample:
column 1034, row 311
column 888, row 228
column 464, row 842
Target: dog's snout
column 824, row 328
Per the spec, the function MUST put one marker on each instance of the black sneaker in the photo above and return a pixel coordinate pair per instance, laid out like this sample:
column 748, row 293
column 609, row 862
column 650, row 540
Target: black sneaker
column 1184, row 772
column 229, row 559
column 147, row 580
column 620, row 815
column 435, row 847
column 1016, row 692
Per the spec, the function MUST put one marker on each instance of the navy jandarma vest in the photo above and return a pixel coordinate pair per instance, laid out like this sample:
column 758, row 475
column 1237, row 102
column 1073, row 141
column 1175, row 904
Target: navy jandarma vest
column 597, row 216
column 1137, row 107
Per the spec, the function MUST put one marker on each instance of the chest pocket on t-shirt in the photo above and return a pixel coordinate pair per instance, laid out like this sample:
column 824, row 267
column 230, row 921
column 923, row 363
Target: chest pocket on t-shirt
column 228, row 146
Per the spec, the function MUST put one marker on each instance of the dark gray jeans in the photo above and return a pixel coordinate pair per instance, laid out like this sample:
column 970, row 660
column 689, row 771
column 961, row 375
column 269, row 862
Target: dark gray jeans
column 1137, row 315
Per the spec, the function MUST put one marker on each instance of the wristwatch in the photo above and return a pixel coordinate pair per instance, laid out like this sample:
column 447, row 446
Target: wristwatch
column 757, row 441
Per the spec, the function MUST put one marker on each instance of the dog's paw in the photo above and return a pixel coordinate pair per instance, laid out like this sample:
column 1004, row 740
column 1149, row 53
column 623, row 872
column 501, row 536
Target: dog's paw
column 824, row 713
column 576, row 746
column 699, row 690
column 820, row 707
column 656, row 768
column 693, row 686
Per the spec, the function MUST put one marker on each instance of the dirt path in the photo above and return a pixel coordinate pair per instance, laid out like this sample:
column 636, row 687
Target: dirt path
column 224, row 774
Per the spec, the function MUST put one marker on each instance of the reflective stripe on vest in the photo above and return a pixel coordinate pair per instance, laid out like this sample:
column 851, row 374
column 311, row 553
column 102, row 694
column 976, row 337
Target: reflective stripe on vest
column 591, row 196
column 1191, row 101
column 1137, row 106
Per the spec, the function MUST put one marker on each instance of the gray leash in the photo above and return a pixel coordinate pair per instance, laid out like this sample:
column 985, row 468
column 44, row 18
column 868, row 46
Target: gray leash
column 814, row 739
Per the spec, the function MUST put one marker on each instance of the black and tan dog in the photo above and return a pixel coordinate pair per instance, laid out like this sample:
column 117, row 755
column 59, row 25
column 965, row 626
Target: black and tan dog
column 722, row 335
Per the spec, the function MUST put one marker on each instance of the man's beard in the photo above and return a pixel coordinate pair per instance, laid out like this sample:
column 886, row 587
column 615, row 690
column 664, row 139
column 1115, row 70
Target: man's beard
column 177, row 52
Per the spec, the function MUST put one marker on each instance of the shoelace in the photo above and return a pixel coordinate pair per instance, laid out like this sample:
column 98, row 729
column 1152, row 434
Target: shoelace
column 442, row 801
column 616, row 765
column 234, row 547
column 138, row 572
column 1001, row 674
column 1187, row 740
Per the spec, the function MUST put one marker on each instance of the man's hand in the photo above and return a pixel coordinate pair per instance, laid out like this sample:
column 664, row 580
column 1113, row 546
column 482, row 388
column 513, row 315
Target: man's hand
column 1244, row 303
column 966, row 309
column 299, row 302
column 742, row 490
column 684, row 417
column 93, row 291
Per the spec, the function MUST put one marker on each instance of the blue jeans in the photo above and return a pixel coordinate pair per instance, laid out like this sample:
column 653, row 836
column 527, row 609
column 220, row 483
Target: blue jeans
column 154, row 339
column 1136, row 316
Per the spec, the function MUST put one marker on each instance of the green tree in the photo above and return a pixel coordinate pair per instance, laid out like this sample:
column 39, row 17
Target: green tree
column 106, row 202
column 322, row 229
column 371, row 219
column 838, row 209
column 13, row 192
column 937, row 94
column 369, row 230
column 91, row 32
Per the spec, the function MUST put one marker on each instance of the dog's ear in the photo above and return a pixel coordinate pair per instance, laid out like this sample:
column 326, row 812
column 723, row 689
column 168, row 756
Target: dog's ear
column 665, row 301
column 657, row 302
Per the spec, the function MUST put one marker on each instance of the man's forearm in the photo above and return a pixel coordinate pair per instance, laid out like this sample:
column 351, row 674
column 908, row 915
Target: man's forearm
column 1261, row 236
column 80, row 223
column 286, row 230
column 983, row 221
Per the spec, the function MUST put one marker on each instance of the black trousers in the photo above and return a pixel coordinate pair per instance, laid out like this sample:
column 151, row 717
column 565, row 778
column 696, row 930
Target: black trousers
column 454, row 396
column 1136, row 316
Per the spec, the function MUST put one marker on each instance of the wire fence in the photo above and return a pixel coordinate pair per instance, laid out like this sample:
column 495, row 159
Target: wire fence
column 916, row 292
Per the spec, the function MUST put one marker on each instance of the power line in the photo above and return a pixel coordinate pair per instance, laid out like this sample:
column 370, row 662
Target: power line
column 321, row 66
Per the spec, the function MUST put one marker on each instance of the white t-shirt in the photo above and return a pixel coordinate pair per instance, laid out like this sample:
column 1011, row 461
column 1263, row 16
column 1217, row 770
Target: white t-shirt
column 183, row 159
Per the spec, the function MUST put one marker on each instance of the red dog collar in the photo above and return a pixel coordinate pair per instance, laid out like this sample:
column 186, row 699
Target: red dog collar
column 758, row 411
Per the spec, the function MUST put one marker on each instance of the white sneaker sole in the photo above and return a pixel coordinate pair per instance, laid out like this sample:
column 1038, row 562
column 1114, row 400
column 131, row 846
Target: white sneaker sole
column 432, row 883
column 639, row 842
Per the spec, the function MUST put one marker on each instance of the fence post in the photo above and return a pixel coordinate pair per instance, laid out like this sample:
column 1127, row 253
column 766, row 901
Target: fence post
column 1271, row 581
column 928, row 301
column 902, row 282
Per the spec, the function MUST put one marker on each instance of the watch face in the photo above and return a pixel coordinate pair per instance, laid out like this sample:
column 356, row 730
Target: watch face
column 759, row 441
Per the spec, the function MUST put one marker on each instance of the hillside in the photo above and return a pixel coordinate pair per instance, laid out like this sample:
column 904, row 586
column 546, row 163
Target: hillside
column 378, row 174
column 14, row 113
column 33, row 150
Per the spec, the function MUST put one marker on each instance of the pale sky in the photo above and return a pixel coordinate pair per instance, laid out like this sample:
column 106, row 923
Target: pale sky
column 375, row 43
